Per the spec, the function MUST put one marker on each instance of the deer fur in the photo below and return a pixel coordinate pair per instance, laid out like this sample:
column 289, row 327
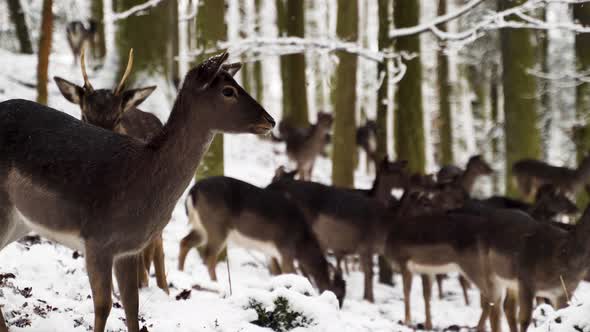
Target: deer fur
column 366, row 138
column 225, row 209
column 79, row 36
column 475, row 168
column 303, row 149
column 530, row 174
column 119, row 113
column 87, row 187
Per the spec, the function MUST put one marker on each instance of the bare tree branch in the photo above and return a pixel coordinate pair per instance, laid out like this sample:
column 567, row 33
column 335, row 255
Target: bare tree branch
column 135, row 10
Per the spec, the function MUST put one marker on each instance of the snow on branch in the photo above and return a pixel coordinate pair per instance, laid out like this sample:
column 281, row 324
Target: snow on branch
column 135, row 10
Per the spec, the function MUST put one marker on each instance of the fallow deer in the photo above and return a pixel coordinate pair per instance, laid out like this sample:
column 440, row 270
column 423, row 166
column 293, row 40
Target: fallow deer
column 366, row 138
column 530, row 174
column 79, row 36
column 223, row 209
column 87, row 187
column 116, row 110
column 345, row 221
column 476, row 167
column 304, row 149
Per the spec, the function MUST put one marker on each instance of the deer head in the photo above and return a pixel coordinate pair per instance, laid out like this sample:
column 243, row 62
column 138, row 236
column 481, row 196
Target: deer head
column 325, row 120
column 221, row 97
column 103, row 107
column 555, row 201
column 478, row 165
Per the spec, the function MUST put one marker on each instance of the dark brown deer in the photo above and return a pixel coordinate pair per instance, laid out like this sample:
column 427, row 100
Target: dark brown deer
column 80, row 36
column 345, row 221
column 366, row 138
column 475, row 168
column 116, row 110
column 530, row 174
column 223, row 209
column 303, row 149
column 87, row 187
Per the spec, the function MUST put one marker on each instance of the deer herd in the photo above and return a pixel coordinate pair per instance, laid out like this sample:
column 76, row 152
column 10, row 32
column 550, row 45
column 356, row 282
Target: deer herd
column 85, row 184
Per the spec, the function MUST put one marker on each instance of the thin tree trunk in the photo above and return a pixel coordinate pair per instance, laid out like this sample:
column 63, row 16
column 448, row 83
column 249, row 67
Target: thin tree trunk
column 175, row 39
column 291, row 23
column 409, row 118
column 523, row 139
column 495, row 115
column 20, row 24
column 211, row 28
column 344, row 98
column 257, row 75
column 582, row 134
column 98, row 43
column 444, row 92
column 44, row 51
column 546, row 110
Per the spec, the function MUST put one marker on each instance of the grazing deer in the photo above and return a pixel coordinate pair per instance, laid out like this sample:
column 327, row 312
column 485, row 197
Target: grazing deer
column 304, row 148
column 87, row 187
column 79, row 36
column 116, row 110
column 224, row 208
column 346, row 221
column 530, row 174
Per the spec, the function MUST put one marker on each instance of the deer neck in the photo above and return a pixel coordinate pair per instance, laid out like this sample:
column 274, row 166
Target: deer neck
column 178, row 148
column 468, row 179
column 380, row 191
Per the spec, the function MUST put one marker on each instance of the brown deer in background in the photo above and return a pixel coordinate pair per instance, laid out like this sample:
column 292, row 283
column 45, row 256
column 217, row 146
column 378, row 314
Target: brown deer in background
column 223, row 209
column 530, row 174
column 303, row 147
column 116, row 110
column 87, row 187
column 80, row 36
column 366, row 138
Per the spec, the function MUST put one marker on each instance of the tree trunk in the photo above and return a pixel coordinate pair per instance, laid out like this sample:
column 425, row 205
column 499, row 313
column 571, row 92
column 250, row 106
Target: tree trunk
column 98, row 43
column 291, row 23
column 20, row 24
column 409, row 121
column 344, row 98
column 211, row 28
column 149, row 36
column 175, row 39
column 44, row 51
column 383, row 75
column 444, row 92
column 522, row 136
column 545, row 102
column 582, row 135
column 257, row 75
column 495, row 115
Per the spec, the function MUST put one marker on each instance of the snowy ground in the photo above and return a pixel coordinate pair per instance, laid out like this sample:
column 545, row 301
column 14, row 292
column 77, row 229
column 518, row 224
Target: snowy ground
column 50, row 291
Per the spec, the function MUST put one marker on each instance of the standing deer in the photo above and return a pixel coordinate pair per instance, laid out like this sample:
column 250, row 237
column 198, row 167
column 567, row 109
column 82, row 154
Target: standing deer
column 80, row 36
column 530, row 174
column 116, row 110
column 366, row 138
column 224, row 208
column 345, row 221
column 303, row 149
column 87, row 187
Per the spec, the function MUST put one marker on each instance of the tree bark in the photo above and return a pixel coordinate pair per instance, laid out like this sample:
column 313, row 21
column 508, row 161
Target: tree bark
column 291, row 23
column 409, row 118
column 20, row 24
column 98, row 43
column 445, row 129
column 44, row 51
column 344, row 98
column 523, row 139
column 257, row 75
column 582, row 134
column 211, row 28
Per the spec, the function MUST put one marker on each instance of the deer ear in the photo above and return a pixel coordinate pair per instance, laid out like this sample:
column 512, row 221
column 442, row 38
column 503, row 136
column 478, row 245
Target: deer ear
column 208, row 70
column 232, row 68
column 71, row 91
column 132, row 98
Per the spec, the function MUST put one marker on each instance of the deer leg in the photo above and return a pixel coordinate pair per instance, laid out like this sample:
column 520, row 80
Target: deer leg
column 510, row 310
column 159, row 264
column 275, row 267
column 439, row 284
column 407, row 284
column 561, row 302
column 142, row 269
column 367, row 264
column 186, row 244
column 210, row 255
column 464, row 286
column 485, row 313
column 385, row 271
column 427, row 293
column 127, row 281
column 525, row 300
column 99, row 268
column 3, row 327
column 287, row 265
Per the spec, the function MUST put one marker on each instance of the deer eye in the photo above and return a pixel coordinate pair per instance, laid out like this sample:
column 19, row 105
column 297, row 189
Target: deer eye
column 229, row 91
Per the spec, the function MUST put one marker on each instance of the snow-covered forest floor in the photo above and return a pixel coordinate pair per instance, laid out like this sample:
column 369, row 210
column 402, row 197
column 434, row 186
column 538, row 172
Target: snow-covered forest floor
column 44, row 286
